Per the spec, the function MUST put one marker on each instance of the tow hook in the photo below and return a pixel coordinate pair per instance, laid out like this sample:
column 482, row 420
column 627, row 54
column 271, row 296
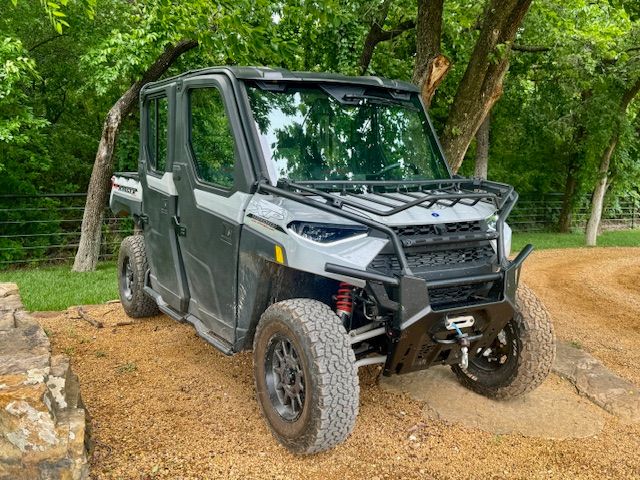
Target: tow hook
column 463, row 340
column 456, row 323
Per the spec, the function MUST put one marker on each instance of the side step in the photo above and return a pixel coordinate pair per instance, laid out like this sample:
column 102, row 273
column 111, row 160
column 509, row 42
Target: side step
column 162, row 305
column 201, row 329
column 206, row 333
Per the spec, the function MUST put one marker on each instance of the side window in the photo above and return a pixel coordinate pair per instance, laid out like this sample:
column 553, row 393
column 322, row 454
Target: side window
column 157, row 116
column 211, row 138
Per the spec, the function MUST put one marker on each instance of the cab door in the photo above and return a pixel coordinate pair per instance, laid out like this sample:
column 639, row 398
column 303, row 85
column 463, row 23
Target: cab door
column 210, row 179
column 159, row 196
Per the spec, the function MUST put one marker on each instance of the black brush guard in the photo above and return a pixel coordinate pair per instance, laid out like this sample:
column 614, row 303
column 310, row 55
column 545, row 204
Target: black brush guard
column 418, row 336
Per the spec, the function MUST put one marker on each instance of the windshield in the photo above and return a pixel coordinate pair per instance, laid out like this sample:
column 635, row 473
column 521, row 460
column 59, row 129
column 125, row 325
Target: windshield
column 344, row 133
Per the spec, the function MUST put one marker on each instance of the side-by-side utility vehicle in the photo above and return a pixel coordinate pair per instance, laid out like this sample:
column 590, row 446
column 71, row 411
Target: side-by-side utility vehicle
column 313, row 219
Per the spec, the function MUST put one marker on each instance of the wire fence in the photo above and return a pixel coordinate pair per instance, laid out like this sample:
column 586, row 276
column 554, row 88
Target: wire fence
column 46, row 229
column 541, row 213
column 37, row 229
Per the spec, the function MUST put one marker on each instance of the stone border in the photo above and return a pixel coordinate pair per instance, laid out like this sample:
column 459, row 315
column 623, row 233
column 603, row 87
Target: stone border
column 43, row 423
column 596, row 382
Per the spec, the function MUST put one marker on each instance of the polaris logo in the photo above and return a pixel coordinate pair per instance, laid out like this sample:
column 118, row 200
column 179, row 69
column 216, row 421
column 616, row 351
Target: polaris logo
column 124, row 189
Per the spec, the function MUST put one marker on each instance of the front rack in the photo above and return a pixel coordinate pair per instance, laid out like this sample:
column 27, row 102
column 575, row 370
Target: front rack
column 420, row 193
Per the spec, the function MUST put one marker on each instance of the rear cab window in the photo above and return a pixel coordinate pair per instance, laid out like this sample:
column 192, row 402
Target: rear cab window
column 157, row 127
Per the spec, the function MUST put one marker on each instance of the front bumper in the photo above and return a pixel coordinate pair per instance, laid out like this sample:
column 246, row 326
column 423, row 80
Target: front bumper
column 422, row 338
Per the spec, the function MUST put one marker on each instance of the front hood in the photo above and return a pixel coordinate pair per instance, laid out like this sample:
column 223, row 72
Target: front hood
column 417, row 215
column 270, row 216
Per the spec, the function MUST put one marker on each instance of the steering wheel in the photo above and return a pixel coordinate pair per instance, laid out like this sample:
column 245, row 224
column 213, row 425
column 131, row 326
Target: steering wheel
column 395, row 165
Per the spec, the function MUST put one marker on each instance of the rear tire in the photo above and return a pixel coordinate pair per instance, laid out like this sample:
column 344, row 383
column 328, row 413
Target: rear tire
column 306, row 379
column 132, row 268
column 526, row 350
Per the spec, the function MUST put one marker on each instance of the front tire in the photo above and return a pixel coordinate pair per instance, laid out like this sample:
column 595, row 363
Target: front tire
column 132, row 268
column 520, row 358
column 306, row 379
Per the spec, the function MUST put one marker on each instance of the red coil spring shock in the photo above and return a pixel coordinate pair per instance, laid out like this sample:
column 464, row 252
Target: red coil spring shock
column 344, row 300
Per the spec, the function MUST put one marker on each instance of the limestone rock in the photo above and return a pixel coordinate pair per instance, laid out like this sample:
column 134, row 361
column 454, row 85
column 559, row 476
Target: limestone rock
column 7, row 289
column 596, row 382
column 7, row 320
column 9, row 297
column 23, row 348
column 43, row 424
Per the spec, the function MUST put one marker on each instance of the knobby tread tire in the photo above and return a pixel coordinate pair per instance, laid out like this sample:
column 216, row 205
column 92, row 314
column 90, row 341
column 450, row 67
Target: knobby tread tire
column 141, row 304
column 537, row 351
column 333, row 377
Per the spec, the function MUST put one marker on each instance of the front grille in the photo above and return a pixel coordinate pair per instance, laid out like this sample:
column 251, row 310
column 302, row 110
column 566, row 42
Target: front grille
column 452, row 295
column 438, row 229
column 434, row 259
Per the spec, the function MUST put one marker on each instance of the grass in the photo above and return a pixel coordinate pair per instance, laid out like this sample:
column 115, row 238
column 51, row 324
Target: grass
column 541, row 241
column 57, row 288
column 127, row 368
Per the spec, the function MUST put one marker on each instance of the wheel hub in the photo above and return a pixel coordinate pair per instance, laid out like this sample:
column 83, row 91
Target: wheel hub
column 497, row 354
column 285, row 378
column 127, row 288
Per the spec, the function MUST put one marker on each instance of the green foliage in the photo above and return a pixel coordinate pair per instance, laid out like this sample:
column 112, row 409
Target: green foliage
column 17, row 120
column 560, row 106
column 228, row 32
column 56, row 11
column 64, row 63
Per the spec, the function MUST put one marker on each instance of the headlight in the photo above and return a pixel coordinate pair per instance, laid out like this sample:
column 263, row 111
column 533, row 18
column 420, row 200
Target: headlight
column 326, row 232
column 492, row 222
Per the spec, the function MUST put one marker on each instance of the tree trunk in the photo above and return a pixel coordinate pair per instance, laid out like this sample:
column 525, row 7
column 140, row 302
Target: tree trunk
column 377, row 34
column 482, row 148
column 570, row 187
column 91, row 231
column 597, row 200
column 431, row 66
column 603, row 172
column 481, row 84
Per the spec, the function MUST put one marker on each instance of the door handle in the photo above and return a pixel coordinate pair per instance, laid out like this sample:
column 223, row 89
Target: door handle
column 227, row 233
column 177, row 172
column 180, row 229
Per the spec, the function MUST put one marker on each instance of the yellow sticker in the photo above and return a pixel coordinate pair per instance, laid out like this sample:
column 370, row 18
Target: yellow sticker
column 279, row 254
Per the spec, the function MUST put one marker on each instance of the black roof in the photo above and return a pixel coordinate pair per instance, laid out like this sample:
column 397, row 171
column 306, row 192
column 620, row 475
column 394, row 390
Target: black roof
column 268, row 74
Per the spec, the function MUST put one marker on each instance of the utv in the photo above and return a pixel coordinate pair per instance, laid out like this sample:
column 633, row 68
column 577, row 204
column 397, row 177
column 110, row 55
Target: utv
column 313, row 218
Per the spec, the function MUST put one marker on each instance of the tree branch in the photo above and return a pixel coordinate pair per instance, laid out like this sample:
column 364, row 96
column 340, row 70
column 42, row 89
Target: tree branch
column 98, row 191
column 385, row 35
column 46, row 40
column 377, row 34
column 481, row 84
column 530, row 48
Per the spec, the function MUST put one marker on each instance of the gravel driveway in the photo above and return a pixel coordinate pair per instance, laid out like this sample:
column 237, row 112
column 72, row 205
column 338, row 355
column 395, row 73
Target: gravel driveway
column 164, row 404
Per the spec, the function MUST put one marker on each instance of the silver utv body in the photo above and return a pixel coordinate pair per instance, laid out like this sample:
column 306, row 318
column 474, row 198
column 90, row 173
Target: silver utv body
column 422, row 254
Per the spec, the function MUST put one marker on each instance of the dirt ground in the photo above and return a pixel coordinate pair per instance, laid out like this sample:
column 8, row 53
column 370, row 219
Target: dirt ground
column 164, row 404
column 594, row 299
